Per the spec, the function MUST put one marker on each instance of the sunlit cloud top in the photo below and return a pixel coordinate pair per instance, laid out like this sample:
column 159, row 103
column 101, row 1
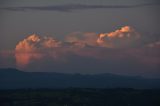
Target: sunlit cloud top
column 88, row 44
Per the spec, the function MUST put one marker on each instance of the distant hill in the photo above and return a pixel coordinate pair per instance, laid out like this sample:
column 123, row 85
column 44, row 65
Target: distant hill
column 15, row 79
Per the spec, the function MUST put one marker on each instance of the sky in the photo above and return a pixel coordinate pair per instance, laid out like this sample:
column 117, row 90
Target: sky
column 81, row 36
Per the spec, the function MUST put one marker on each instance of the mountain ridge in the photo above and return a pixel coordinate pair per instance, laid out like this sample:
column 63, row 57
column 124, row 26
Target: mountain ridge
column 11, row 78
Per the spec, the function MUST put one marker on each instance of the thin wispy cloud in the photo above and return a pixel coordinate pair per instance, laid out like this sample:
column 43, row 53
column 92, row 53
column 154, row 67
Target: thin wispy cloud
column 72, row 7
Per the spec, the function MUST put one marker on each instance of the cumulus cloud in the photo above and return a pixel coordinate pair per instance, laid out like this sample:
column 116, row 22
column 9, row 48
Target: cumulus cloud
column 82, row 39
column 32, row 47
column 123, row 37
column 35, row 47
column 89, row 51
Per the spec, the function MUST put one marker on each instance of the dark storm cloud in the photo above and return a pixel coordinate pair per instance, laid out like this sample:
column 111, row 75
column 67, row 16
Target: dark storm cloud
column 71, row 7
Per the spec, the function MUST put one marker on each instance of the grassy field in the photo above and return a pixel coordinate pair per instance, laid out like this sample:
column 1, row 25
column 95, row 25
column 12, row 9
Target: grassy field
column 80, row 97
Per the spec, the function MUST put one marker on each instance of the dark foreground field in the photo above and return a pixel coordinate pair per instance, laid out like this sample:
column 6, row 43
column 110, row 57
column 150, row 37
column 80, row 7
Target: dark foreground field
column 80, row 97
